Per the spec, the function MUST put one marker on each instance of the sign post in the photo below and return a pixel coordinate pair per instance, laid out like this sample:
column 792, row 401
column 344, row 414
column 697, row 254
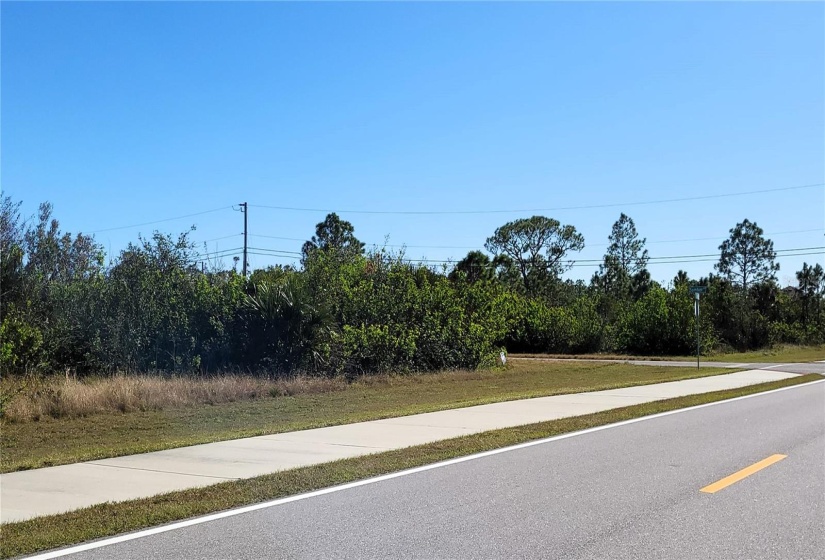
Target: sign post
column 697, row 292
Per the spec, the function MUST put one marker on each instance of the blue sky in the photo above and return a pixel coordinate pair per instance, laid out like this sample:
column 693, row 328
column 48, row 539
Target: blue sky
column 126, row 113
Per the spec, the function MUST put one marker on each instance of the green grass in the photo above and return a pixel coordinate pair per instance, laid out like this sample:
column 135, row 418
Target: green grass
column 104, row 520
column 781, row 355
column 59, row 441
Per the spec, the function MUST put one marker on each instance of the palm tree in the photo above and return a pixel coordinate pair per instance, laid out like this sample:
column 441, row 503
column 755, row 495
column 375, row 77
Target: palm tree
column 292, row 327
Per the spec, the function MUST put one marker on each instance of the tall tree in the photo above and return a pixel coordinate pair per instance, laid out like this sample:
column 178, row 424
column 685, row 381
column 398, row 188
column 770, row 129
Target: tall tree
column 626, row 249
column 12, row 231
column 624, row 271
column 52, row 255
column 681, row 278
column 333, row 235
column 474, row 267
column 811, row 290
column 151, row 302
column 747, row 257
column 537, row 247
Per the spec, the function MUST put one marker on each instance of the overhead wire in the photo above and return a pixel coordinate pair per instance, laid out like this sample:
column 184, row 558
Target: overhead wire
column 281, row 253
column 670, row 259
column 470, row 247
column 220, row 238
column 221, row 253
column 274, row 250
column 525, row 210
column 163, row 220
column 800, row 252
column 259, row 254
column 457, row 212
column 715, row 255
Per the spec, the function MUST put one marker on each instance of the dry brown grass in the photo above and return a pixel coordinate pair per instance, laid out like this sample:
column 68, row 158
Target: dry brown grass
column 59, row 397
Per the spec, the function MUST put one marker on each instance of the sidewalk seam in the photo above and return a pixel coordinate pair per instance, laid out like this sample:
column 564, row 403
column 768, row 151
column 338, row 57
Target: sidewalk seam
column 96, row 464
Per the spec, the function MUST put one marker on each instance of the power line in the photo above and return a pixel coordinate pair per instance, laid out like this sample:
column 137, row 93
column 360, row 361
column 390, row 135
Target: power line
column 798, row 252
column 590, row 263
column 221, row 253
column 220, row 238
column 671, row 259
column 526, row 210
column 276, row 250
column 717, row 238
column 271, row 256
column 778, row 257
column 200, row 258
column 715, row 255
column 405, row 246
column 277, row 237
column 162, row 221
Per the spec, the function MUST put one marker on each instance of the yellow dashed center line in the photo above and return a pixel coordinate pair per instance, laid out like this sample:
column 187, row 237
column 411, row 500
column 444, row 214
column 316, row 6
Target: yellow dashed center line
column 744, row 473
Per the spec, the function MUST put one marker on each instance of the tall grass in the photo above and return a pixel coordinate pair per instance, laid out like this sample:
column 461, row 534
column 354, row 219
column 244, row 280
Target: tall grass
column 33, row 398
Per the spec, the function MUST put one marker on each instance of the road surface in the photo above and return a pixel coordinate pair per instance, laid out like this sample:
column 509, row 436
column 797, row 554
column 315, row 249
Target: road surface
column 627, row 492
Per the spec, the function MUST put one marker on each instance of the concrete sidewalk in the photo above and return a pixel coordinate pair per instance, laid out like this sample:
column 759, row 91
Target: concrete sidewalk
column 33, row 493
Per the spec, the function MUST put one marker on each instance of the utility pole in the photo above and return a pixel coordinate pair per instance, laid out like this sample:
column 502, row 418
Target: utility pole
column 245, row 210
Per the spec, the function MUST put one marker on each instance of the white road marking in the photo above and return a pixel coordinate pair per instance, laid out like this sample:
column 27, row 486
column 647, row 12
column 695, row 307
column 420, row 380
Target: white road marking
column 390, row 476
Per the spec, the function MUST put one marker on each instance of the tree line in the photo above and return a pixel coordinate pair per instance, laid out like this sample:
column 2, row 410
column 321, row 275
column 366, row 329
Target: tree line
column 348, row 310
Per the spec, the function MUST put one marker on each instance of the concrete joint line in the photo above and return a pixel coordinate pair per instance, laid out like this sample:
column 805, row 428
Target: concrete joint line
column 96, row 464
column 330, row 443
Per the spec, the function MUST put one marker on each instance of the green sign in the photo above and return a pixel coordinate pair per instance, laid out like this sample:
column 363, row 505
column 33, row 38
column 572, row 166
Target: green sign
column 698, row 289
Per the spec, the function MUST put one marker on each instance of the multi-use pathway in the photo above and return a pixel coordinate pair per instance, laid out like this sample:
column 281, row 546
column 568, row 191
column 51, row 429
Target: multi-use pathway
column 51, row 490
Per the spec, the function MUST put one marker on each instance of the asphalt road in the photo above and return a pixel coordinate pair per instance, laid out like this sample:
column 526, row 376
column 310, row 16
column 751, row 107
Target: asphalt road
column 629, row 492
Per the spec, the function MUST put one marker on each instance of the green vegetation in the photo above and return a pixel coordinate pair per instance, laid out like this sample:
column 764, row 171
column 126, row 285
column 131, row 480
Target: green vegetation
column 114, row 518
column 157, row 308
column 69, row 439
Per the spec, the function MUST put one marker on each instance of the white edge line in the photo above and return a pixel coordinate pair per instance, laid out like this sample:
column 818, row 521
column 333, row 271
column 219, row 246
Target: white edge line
column 390, row 476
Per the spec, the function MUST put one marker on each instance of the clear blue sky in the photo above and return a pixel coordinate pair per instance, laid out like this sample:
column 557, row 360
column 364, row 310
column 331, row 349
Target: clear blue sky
column 125, row 113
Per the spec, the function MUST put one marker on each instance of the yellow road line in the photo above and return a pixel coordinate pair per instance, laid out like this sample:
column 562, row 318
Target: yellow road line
column 744, row 473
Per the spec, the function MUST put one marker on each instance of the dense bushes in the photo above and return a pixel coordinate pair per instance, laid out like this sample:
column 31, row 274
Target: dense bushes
column 537, row 327
column 661, row 322
column 391, row 315
column 350, row 312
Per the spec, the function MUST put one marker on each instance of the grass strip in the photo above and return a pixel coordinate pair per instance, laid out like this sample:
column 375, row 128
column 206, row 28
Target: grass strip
column 48, row 532
column 60, row 441
column 779, row 354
